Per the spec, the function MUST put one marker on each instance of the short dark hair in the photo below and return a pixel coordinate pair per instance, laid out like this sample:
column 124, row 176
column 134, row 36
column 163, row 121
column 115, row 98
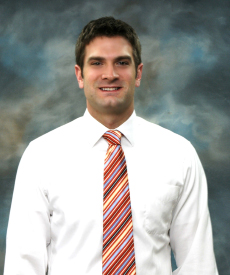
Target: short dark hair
column 107, row 26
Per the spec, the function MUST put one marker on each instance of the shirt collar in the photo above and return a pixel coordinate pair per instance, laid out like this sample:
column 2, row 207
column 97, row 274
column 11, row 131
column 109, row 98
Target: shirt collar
column 94, row 129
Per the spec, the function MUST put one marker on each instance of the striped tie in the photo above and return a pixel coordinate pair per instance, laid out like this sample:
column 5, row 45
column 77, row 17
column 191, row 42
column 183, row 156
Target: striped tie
column 118, row 245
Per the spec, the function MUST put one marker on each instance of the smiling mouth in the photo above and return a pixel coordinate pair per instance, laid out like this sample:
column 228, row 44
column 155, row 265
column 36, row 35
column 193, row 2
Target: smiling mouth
column 110, row 89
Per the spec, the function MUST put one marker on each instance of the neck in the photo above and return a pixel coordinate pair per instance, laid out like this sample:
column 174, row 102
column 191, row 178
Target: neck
column 111, row 120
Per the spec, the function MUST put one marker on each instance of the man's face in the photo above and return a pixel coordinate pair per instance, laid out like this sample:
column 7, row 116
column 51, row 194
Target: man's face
column 110, row 76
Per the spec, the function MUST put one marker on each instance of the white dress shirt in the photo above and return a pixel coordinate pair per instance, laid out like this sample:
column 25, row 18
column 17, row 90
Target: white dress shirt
column 56, row 216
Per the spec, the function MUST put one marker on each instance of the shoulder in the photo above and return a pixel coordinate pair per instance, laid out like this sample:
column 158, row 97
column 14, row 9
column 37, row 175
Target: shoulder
column 161, row 141
column 60, row 137
column 155, row 133
column 165, row 145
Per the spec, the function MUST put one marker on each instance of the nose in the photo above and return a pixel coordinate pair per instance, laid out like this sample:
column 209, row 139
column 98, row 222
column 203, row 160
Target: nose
column 110, row 73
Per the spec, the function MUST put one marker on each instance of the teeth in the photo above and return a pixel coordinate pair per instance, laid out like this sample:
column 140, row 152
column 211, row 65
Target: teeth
column 109, row 89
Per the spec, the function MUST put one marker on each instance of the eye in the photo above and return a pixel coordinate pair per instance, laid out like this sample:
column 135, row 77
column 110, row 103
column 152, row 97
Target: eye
column 123, row 63
column 96, row 63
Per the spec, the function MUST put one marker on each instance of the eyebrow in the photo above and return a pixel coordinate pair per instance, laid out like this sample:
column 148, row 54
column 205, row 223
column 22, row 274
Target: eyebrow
column 99, row 58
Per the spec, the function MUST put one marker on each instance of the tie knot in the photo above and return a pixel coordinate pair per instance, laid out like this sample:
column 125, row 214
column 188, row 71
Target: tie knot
column 113, row 137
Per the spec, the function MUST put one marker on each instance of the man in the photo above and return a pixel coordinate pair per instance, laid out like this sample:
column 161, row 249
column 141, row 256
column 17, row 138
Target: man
column 59, row 216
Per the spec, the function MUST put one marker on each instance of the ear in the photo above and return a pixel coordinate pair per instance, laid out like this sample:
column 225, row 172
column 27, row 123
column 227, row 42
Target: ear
column 79, row 77
column 139, row 75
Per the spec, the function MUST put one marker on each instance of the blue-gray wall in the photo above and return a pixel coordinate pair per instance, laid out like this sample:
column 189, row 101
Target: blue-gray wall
column 185, row 86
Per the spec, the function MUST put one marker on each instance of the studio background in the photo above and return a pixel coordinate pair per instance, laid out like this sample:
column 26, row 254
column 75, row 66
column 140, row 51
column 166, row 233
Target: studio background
column 185, row 84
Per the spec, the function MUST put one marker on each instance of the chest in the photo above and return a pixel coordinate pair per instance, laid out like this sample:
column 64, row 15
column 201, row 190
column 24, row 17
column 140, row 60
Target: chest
column 76, row 188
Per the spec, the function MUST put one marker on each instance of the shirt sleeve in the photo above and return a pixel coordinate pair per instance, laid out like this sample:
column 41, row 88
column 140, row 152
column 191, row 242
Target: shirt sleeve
column 28, row 234
column 191, row 232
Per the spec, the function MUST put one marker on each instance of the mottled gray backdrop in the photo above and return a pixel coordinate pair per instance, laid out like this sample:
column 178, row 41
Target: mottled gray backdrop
column 185, row 86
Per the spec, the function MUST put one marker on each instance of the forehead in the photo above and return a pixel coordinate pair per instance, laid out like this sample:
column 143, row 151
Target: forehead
column 108, row 47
